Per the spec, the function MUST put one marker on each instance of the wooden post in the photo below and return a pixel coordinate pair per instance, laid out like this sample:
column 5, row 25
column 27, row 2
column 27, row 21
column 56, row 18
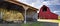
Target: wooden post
column 25, row 13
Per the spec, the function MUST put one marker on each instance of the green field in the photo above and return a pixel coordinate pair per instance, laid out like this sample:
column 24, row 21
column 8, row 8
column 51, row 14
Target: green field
column 32, row 24
column 40, row 24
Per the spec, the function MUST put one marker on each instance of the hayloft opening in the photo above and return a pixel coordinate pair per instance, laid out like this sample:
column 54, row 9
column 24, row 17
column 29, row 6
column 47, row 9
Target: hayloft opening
column 44, row 8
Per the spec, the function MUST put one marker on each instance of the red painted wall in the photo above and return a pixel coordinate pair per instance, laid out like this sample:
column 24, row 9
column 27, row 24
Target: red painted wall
column 46, row 14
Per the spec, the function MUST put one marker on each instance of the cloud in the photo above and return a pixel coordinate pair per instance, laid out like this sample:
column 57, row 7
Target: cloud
column 56, row 11
column 21, row 0
column 54, row 2
column 34, row 3
column 31, row 1
column 39, row 3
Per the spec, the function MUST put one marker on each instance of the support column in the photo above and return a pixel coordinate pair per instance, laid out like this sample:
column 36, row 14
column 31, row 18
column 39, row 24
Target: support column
column 25, row 7
column 25, row 17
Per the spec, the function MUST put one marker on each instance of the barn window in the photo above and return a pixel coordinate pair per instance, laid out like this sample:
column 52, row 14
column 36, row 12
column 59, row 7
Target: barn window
column 44, row 8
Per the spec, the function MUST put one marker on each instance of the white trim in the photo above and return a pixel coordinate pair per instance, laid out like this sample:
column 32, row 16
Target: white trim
column 49, row 20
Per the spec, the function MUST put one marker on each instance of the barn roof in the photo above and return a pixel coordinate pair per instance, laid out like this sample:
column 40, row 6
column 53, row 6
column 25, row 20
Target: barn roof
column 20, row 3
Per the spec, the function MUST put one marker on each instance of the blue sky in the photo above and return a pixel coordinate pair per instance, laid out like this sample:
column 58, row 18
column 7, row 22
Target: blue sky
column 54, row 5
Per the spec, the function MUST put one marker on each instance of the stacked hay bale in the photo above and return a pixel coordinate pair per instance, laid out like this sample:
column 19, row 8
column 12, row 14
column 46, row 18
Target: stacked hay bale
column 12, row 15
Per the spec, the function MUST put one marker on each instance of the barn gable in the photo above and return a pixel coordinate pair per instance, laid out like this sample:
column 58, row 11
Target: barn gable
column 45, row 13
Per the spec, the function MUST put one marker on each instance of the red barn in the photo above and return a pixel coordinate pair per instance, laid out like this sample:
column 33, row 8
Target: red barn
column 45, row 13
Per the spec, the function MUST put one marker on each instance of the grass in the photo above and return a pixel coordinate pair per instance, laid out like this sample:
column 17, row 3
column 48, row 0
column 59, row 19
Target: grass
column 33, row 24
column 39, row 24
column 30, row 24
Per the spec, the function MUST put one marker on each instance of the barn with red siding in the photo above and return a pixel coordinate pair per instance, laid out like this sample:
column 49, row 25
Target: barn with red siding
column 45, row 13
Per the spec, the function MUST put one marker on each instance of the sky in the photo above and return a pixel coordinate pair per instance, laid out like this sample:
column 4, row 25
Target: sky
column 54, row 5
